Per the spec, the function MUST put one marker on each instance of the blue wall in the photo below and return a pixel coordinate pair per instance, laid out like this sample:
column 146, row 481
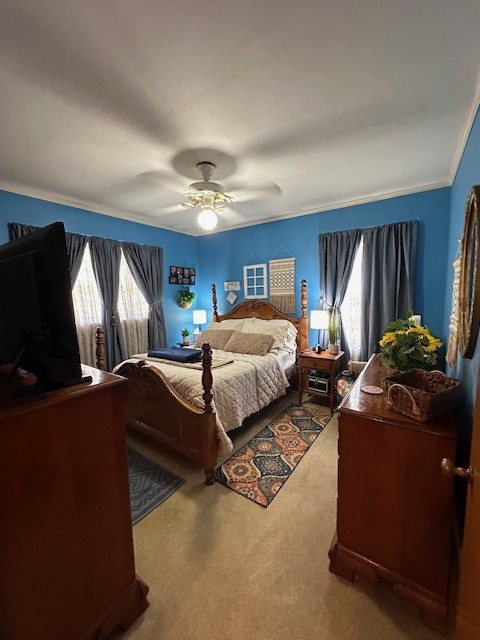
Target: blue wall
column 468, row 174
column 178, row 249
column 222, row 255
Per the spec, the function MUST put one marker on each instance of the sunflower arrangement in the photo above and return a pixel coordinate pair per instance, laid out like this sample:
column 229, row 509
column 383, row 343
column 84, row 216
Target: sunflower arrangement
column 407, row 346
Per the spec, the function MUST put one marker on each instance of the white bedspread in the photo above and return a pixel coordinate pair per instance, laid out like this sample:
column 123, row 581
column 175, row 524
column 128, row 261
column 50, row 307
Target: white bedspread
column 240, row 388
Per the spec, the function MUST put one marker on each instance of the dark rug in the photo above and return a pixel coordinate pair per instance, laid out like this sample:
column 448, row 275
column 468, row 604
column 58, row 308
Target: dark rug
column 150, row 484
column 260, row 468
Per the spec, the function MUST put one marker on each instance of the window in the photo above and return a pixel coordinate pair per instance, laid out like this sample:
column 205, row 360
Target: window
column 133, row 312
column 87, row 307
column 350, row 309
column 255, row 281
column 132, row 309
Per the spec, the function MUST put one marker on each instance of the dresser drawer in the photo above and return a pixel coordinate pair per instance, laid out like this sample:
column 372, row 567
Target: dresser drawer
column 315, row 363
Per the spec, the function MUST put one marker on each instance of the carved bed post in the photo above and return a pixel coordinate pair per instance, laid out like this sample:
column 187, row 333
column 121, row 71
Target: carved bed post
column 209, row 433
column 304, row 298
column 207, row 379
column 100, row 348
column 214, row 303
column 303, row 328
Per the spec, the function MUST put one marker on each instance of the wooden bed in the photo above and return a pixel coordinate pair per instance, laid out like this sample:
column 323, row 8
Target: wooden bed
column 155, row 408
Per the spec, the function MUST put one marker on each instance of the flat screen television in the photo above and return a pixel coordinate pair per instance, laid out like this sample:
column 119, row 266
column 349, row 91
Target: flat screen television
column 37, row 324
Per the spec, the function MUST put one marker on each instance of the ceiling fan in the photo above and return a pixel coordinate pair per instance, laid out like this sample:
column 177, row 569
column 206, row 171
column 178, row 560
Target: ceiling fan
column 210, row 196
column 213, row 198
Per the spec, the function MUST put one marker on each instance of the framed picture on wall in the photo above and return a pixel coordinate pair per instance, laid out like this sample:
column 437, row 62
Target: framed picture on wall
column 232, row 285
column 181, row 275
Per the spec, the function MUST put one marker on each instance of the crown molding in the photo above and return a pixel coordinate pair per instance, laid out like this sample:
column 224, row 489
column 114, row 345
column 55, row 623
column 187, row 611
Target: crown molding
column 91, row 207
column 131, row 217
column 467, row 127
column 336, row 205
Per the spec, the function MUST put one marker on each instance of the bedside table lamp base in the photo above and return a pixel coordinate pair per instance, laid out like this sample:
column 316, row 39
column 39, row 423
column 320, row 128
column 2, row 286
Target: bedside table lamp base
column 319, row 321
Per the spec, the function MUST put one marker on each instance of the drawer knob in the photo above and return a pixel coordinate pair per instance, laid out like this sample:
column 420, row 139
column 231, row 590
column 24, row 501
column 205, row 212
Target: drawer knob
column 450, row 470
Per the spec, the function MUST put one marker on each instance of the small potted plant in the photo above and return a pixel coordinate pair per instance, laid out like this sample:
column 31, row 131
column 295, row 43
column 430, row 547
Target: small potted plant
column 186, row 335
column 185, row 297
column 333, row 331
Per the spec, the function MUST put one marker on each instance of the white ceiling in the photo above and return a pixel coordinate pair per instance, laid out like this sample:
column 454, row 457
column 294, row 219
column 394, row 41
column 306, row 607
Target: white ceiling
column 337, row 102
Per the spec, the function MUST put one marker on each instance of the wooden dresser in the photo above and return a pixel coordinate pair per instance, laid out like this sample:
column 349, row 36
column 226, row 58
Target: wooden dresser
column 394, row 508
column 66, row 554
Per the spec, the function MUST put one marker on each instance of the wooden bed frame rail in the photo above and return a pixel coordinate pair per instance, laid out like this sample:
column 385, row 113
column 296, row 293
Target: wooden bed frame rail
column 155, row 408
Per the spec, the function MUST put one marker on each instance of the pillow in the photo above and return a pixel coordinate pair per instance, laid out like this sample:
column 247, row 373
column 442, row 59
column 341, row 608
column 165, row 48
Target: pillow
column 290, row 343
column 276, row 332
column 254, row 344
column 216, row 339
column 227, row 325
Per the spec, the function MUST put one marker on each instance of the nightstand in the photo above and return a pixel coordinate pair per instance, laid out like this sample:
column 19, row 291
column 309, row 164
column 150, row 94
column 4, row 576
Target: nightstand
column 323, row 362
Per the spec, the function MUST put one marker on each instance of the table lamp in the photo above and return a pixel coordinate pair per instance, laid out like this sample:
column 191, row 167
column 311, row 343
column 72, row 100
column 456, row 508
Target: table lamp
column 319, row 320
column 199, row 317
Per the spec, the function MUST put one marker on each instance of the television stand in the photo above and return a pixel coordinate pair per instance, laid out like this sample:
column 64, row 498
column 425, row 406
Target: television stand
column 67, row 557
column 39, row 388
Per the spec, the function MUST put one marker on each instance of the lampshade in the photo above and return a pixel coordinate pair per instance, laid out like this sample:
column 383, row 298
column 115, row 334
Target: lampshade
column 207, row 219
column 199, row 316
column 318, row 319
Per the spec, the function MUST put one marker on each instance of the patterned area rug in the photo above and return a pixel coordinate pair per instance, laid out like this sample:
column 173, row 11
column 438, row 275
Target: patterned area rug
column 150, row 484
column 260, row 468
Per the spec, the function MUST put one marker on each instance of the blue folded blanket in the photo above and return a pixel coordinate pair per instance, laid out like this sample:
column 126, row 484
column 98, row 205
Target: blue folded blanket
column 177, row 354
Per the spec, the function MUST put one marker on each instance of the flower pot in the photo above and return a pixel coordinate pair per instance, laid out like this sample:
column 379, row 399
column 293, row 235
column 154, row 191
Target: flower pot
column 185, row 305
column 333, row 349
column 186, row 340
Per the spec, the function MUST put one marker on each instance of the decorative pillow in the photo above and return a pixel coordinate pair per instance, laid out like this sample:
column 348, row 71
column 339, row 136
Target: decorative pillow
column 216, row 339
column 290, row 342
column 276, row 332
column 254, row 344
column 227, row 325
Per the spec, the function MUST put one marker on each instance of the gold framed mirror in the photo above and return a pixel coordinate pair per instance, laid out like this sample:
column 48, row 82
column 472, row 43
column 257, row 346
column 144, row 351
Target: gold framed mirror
column 469, row 290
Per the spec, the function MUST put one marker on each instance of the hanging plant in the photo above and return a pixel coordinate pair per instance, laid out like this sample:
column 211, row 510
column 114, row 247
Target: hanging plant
column 185, row 297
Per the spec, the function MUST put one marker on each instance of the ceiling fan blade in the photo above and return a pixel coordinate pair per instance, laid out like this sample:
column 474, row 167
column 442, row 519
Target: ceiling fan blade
column 158, row 176
column 224, row 211
column 255, row 192
column 171, row 208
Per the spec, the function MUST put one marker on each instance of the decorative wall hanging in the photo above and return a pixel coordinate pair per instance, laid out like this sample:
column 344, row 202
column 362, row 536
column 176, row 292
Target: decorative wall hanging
column 232, row 285
column 469, row 288
column 255, row 281
column 451, row 356
column 231, row 297
column 181, row 275
column 282, row 282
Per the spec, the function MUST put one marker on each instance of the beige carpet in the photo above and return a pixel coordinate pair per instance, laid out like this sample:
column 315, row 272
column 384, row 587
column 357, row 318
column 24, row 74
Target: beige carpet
column 220, row 567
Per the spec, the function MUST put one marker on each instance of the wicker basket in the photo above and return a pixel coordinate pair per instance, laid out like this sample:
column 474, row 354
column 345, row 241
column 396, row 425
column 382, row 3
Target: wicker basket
column 421, row 394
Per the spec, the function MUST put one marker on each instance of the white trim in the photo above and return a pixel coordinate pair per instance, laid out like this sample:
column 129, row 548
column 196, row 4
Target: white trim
column 91, row 207
column 338, row 205
column 467, row 127
column 69, row 202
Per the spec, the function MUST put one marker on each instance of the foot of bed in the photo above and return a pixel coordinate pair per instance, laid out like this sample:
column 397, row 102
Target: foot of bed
column 208, row 476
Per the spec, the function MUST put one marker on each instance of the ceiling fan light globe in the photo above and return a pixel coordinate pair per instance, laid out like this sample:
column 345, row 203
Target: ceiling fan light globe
column 207, row 219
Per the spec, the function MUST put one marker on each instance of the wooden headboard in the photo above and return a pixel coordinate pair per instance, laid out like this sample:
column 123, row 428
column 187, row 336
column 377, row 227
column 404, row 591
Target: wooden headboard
column 266, row 311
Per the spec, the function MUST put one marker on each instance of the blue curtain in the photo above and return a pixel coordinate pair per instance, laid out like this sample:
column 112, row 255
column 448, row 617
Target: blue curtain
column 388, row 275
column 106, row 267
column 145, row 263
column 337, row 255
